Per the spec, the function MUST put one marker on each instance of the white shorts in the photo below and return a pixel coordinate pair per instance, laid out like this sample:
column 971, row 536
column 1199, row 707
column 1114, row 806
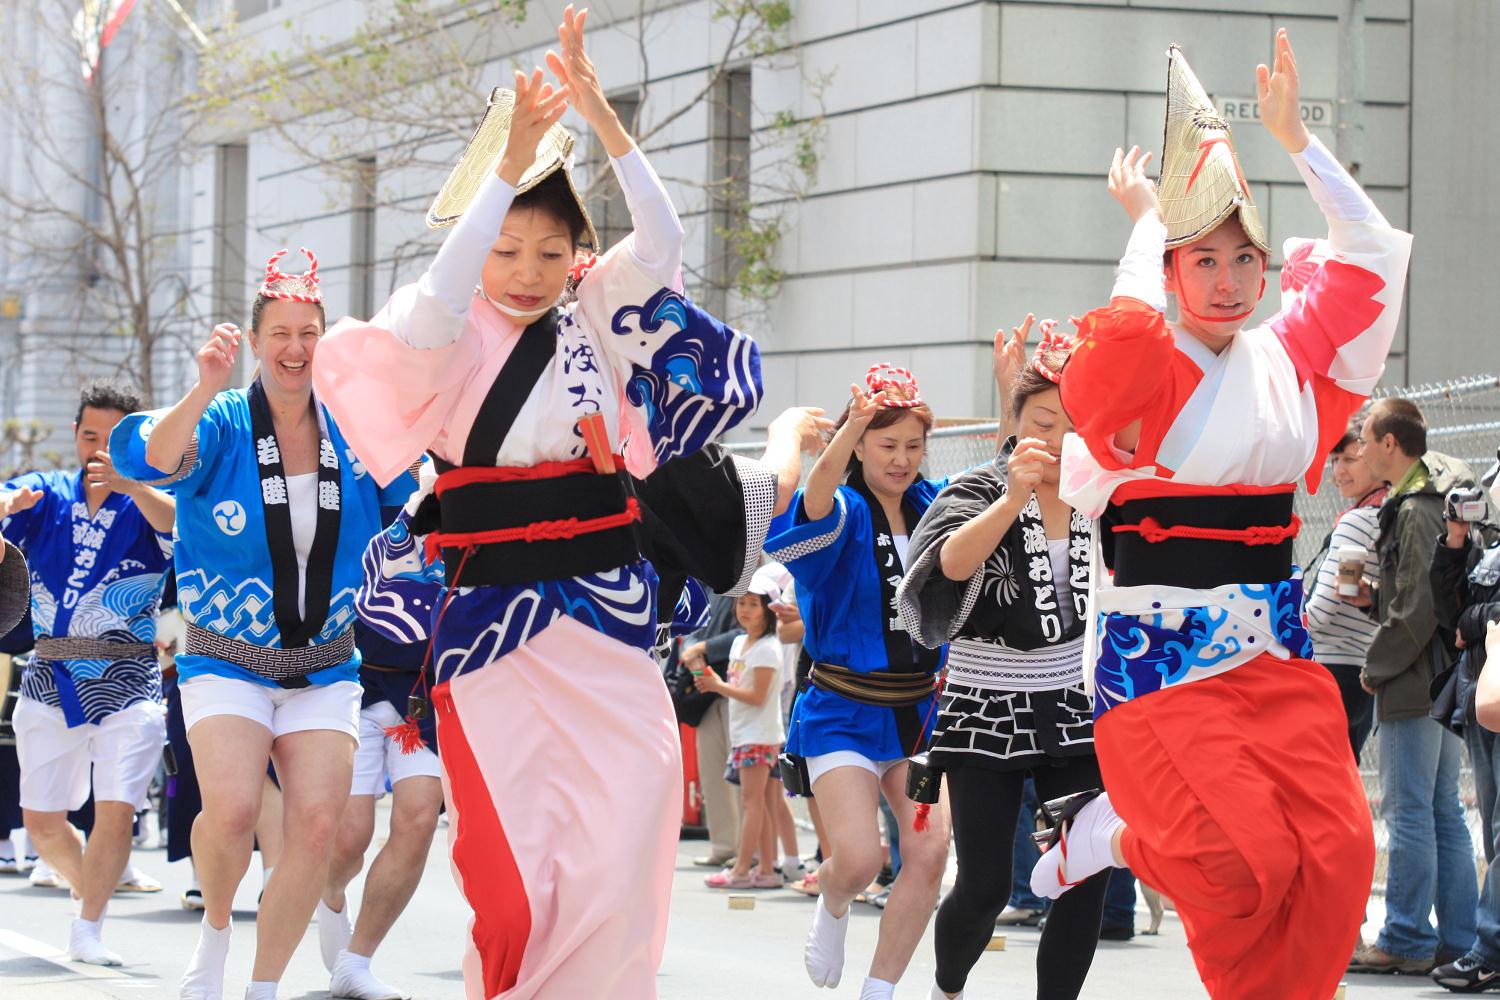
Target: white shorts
column 823, row 763
column 123, row 752
column 281, row 710
column 379, row 757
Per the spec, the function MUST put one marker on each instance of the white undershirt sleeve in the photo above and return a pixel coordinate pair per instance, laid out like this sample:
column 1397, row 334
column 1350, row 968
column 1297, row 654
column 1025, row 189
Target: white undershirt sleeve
column 435, row 316
column 1139, row 275
column 1338, row 195
column 657, row 241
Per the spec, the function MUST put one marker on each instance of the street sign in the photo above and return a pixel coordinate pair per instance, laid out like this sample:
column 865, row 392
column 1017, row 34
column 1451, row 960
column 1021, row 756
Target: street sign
column 1238, row 110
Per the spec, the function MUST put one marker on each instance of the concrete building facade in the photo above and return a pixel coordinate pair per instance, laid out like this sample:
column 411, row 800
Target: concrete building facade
column 961, row 147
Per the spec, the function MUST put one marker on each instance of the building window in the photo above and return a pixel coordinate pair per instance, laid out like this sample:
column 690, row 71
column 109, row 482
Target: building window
column 362, row 240
column 606, row 203
column 251, row 8
column 231, row 184
column 729, row 185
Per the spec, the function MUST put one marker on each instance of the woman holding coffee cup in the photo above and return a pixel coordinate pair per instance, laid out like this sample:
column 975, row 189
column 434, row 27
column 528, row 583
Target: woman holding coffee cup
column 1340, row 630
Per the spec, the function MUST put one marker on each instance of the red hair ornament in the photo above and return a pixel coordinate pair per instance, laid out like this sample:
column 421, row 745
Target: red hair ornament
column 898, row 384
column 1053, row 342
column 292, row 287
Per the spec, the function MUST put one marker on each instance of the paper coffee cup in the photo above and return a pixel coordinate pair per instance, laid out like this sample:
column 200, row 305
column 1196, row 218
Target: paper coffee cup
column 1351, row 568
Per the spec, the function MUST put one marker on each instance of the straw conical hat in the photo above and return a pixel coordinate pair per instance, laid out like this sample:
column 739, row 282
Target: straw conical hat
column 482, row 156
column 1201, row 181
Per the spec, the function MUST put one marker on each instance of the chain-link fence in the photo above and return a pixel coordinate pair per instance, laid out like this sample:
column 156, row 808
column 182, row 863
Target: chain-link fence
column 1463, row 421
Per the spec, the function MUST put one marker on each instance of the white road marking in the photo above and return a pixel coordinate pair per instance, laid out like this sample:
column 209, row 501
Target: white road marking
column 47, row 953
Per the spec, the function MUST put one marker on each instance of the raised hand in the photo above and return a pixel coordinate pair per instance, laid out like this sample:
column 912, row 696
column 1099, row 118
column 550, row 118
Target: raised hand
column 1280, row 97
column 1129, row 184
column 807, row 424
column 216, row 358
column 1024, row 469
column 1010, row 356
column 538, row 107
column 575, row 71
column 16, row 501
column 863, row 409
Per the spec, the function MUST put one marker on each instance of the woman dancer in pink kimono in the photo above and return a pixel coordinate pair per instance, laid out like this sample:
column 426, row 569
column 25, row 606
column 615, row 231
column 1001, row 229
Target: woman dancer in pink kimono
column 560, row 754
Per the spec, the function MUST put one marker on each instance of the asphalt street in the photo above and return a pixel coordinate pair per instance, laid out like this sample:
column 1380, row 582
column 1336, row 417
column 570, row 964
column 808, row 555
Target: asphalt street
column 713, row 952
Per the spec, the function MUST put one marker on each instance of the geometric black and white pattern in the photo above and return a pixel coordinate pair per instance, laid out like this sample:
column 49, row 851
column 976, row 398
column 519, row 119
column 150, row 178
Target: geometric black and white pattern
column 1010, row 730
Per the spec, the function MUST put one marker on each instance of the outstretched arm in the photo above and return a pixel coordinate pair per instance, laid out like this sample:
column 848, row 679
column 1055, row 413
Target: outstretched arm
column 1120, row 364
column 828, row 471
column 656, row 242
column 436, row 317
column 172, row 435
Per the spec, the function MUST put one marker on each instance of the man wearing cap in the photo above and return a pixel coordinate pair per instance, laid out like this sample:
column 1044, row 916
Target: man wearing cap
column 90, row 712
column 1223, row 747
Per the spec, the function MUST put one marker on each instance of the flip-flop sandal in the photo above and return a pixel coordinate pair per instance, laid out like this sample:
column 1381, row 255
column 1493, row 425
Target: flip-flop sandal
column 772, row 881
column 807, row 885
column 726, row 879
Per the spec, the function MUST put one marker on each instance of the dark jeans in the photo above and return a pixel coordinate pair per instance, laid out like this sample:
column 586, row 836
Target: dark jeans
column 1119, row 899
column 1359, row 705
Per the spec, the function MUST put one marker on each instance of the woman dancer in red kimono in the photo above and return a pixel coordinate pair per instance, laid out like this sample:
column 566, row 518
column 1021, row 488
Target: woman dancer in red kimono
column 1223, row 748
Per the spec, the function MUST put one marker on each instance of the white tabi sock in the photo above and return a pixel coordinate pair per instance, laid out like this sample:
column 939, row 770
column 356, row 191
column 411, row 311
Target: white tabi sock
column 938, row 994
column 824, row 954
column 877, row 989
column 204, row 978
column 334, row 931
column 84, row 944
column 352, row 979
column 260, row 991
column 1088, row 843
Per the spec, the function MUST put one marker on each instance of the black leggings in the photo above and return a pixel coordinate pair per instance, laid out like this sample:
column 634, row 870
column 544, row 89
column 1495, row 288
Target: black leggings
column 986, row 806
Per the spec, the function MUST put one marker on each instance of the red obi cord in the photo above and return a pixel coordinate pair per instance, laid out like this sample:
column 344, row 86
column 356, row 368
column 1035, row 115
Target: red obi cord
column 537, row 531
column 1154, row 532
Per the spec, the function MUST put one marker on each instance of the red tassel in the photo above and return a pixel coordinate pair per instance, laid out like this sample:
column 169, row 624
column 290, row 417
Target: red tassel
column 921, row 823
column 407, row 736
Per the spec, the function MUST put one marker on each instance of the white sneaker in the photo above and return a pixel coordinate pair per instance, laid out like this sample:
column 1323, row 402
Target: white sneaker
column 43, row 877
column 132, row 879
column 85, row 945
column 334, row 932
column 353, row 979
column 204, row 978
column 8, row 864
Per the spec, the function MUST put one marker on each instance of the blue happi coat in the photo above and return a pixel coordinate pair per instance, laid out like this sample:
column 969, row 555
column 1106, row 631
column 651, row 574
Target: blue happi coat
column 92, row 577
column 224, row 572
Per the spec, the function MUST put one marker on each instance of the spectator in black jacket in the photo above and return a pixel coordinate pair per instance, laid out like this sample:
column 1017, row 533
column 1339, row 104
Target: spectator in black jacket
column 1466, row 596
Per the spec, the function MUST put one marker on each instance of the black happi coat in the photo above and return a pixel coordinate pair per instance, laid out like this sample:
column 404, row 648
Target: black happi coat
column 1005, row 623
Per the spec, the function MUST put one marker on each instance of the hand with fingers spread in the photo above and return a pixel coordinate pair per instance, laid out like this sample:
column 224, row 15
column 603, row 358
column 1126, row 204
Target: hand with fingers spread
column 16, row 501
column 1010, row 356
column 1129, row 184
column 862, row 410
column 216, row 358
column 575, row 71
column 1280, row 97
column 538, row 107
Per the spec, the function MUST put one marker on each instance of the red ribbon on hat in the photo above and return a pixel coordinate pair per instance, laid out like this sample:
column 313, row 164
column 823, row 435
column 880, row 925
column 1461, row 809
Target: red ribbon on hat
column 898, row 384
column 308, row 279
